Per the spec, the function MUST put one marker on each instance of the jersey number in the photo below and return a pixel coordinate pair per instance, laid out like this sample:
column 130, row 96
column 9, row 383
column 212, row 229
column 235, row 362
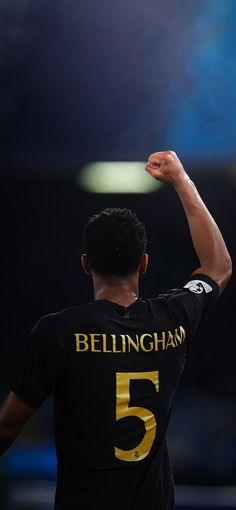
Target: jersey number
column 123, row 410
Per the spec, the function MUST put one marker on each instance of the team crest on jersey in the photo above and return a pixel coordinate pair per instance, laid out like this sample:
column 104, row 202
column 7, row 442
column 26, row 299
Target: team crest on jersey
column 197, row 286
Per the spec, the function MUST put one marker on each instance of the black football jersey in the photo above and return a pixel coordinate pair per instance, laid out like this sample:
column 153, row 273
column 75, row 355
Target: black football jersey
column 113, row 372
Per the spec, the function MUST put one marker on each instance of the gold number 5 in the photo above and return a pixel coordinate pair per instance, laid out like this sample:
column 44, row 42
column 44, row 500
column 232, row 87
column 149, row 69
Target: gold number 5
column 123, row 410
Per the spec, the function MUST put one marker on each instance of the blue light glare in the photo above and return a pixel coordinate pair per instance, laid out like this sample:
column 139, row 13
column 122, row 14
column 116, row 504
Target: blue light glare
column 33, row 461
column 202, row 123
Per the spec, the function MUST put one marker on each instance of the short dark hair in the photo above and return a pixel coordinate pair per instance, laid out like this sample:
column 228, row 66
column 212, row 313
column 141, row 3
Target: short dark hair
column 114, row 241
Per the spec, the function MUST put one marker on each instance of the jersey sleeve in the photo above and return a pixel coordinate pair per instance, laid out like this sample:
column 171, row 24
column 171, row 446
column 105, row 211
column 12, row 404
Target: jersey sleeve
column 39, row 365
column 194, row 300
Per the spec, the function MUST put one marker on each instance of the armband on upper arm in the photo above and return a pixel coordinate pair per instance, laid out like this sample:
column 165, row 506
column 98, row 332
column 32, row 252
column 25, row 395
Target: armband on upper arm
column 198, row 286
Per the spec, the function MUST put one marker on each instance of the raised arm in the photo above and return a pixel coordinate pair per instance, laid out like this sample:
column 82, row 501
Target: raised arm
column 207, row 239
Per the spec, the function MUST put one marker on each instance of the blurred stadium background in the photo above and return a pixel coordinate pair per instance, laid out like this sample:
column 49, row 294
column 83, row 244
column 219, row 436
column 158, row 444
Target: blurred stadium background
column 91, row 81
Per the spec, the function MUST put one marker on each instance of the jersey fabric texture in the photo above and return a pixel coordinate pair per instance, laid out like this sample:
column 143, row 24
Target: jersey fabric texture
column 113, row 372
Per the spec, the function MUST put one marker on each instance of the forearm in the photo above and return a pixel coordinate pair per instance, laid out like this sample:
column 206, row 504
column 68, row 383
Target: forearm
column 208, row 242
column 8, row 434
column 5, row 443
column 14, row 413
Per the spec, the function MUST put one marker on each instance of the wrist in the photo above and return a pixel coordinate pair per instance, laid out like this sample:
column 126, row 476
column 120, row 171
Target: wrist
column 182, row 182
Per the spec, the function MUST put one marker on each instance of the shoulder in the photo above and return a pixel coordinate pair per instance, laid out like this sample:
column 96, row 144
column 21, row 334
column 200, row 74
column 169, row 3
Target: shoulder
column 202, row 284
column 57, row 321
column 197, row 294
column 195, row 285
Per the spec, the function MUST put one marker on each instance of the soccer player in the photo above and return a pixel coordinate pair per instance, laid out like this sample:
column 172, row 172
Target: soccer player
column 114, row 364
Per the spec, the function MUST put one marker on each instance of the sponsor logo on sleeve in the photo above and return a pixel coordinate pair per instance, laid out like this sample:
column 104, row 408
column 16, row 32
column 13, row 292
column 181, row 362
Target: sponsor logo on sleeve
column 198, row 286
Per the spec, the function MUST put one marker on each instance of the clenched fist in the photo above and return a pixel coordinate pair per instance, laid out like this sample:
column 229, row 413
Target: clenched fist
column 166, row 167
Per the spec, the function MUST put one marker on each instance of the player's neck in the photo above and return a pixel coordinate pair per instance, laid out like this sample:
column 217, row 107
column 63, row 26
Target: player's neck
column 123, row 291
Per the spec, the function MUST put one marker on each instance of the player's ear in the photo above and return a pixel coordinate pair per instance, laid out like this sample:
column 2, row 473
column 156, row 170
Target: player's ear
column 143, row 264
column 85, row 264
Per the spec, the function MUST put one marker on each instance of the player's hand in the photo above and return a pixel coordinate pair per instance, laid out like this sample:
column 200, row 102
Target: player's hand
column 166, row 167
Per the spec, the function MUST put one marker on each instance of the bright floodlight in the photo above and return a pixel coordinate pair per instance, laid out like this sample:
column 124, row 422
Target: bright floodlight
column 116, row 177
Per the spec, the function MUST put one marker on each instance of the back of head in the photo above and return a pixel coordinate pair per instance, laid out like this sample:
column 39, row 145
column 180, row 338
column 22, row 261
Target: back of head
column 114, row 242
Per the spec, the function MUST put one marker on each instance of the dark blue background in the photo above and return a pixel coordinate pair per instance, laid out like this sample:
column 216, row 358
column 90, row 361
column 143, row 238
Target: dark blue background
column 91, row 80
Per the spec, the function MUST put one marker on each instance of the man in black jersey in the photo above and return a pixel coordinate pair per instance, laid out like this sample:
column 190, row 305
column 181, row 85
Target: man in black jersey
column 114, row 364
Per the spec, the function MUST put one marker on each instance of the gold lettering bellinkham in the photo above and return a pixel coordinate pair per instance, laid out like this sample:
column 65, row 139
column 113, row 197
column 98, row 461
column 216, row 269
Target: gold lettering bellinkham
column 123, row 343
